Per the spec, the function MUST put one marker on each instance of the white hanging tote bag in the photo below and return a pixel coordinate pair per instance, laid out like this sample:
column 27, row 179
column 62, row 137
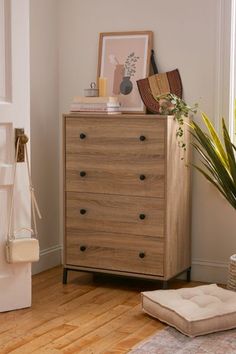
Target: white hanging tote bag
column 24, row 248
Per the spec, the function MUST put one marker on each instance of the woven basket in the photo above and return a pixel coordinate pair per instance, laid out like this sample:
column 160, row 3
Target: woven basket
column 231, row 285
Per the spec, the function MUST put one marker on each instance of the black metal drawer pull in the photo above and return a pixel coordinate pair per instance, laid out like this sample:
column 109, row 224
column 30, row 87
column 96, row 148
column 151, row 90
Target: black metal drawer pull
column 82, row 174
column 83, row 211
column 142, row 138
column 142, row 216
column 142, row 177
column 141, row 255
column 82, row 248
column 82, row 136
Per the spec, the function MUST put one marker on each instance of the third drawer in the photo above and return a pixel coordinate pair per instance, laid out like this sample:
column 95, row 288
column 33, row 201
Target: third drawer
column 101, row 212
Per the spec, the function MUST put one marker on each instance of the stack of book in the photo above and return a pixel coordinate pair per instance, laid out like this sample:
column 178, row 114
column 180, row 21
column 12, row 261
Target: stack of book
column 95, row 104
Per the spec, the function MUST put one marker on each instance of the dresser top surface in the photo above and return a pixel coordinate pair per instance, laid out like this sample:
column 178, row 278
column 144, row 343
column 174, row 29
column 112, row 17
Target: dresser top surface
column 89, row 115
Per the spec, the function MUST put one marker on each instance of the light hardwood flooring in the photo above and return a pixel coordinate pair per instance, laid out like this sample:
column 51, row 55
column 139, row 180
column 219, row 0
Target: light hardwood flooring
column 97, row 314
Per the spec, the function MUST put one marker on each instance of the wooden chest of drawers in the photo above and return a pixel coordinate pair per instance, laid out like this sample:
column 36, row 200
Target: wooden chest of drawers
column 126, row 196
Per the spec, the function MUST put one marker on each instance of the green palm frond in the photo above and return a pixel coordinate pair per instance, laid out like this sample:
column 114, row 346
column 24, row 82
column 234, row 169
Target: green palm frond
column 230, row 151
column 218, row 158
column 215, row 139
column 210, row 179
column 222, row 179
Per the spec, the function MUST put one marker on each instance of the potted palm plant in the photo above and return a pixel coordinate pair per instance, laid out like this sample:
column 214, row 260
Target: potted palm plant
column 217, row 157
column 219, row 169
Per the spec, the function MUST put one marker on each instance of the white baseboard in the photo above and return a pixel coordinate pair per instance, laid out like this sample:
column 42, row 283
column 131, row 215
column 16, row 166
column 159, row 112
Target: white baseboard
column 49, row 258
column 209, row 271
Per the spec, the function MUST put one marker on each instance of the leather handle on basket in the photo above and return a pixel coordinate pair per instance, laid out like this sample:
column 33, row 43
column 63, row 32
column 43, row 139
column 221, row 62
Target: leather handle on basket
column 153, row 62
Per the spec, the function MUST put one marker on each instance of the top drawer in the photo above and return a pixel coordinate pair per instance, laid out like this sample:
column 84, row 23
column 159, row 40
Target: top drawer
column 98, row 136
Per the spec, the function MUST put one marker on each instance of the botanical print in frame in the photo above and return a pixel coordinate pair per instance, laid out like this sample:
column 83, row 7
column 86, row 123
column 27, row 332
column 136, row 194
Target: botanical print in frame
column 124, row 58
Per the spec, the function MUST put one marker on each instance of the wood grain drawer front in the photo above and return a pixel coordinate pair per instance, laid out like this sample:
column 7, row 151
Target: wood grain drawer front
column 98, row 136
column 100, row 212
column 120, row 252
column 107, row 156
column 139, row 177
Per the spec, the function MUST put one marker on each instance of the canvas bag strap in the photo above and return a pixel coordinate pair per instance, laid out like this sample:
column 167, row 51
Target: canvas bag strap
column 34, row 204
column 9, row 235
column 32, row 196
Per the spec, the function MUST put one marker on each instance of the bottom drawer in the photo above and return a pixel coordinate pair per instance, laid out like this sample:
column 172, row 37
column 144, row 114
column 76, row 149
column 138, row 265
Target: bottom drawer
column 121, row 252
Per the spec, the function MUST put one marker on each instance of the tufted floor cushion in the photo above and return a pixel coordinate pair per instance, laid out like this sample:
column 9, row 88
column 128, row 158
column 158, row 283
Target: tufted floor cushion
column 193, row 311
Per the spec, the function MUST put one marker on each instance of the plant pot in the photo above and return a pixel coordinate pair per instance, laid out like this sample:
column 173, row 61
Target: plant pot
column 126, row 85
column 231, row 284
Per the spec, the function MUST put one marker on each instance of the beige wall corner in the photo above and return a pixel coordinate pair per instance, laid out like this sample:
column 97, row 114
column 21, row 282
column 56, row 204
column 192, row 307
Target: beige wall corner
column 45, row 125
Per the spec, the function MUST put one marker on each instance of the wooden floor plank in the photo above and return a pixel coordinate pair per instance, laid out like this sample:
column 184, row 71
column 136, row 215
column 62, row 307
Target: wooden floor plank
column 39, row 342
column 97, row 334
column 143, row 332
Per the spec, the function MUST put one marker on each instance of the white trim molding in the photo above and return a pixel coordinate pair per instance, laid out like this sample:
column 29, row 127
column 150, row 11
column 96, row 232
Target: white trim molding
column 232, row 95
column 225, row 50
column 49, row 258
column 5, row 51
column 209, row 271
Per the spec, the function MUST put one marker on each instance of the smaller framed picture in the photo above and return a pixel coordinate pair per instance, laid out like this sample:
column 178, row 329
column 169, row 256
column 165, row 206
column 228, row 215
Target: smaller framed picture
column 124, row 58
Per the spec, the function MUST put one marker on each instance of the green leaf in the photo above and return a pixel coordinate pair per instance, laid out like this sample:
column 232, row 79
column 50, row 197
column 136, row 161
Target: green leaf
column 230, row 151
column 211, row 180
column 218, row 160
column 215, row 138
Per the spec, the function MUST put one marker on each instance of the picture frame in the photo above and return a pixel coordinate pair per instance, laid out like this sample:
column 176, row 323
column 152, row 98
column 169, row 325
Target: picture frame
column 124, row 58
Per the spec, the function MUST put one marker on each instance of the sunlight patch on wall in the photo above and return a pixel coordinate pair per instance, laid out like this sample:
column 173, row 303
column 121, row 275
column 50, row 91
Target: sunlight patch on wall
column 5, row 51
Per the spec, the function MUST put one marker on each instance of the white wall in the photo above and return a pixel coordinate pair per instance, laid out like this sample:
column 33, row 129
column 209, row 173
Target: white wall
column 45, row 125
column 189, row 35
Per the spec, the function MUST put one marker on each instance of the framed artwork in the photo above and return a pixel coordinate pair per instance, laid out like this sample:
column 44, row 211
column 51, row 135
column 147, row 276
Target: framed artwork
column 124, row 58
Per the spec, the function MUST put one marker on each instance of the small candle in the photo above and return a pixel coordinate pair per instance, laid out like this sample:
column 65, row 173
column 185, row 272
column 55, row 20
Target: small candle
column 102, row 86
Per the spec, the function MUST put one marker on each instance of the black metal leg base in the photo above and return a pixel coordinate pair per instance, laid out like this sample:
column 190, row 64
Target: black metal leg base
column 189, row 274
column 165, row 284
column 64, row 279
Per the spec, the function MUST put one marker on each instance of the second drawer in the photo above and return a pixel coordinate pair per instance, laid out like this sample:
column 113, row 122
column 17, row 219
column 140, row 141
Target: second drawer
column 101, row 212
column 116, row 175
